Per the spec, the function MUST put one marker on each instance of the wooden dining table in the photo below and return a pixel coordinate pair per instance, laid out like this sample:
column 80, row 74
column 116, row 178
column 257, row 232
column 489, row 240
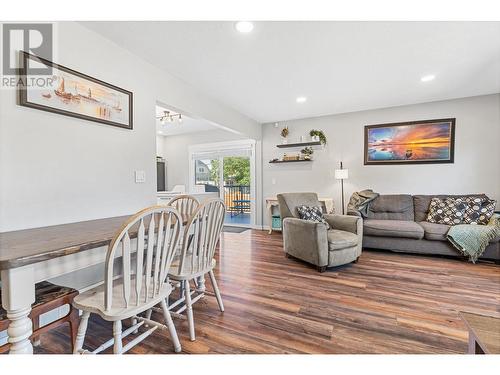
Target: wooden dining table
column 32, row 255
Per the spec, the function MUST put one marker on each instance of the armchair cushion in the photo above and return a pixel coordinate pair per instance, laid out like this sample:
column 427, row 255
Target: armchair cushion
column 340, row 239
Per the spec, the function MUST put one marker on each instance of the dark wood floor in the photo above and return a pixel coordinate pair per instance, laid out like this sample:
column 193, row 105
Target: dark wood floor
column 386, row 303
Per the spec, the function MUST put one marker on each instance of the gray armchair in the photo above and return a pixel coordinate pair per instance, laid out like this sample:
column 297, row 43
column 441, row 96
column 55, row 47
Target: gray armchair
column 311, row 241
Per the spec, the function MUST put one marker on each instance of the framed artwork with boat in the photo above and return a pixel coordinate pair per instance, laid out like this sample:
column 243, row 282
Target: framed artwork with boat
column 75, row 94
column 415, row 142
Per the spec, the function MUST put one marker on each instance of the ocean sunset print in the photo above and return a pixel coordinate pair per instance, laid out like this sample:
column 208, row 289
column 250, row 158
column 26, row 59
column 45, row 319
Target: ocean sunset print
column 416, row 142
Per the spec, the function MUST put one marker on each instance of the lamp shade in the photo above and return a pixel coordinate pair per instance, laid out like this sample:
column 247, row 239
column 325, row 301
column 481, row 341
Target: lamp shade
column 341, row 174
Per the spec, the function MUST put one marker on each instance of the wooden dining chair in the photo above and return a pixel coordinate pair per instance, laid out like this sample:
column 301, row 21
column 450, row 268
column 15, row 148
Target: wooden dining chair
column 141, row 284
column 185, row 204
column 48, row 297
column 197, row 257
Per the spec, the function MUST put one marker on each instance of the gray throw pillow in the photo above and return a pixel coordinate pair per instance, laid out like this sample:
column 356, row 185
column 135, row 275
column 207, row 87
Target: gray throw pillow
column 312, row 213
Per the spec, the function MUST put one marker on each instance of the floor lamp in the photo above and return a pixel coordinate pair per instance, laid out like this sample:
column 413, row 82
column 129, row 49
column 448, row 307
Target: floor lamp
column 342, row 174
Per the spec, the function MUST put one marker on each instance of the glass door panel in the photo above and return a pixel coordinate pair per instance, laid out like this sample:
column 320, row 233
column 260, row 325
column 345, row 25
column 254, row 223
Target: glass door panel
column 236, row 179
column 207, row 174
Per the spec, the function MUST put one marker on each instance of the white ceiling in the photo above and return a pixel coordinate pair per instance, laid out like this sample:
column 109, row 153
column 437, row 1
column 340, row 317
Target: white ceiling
column 188, row 124
column 338, row 66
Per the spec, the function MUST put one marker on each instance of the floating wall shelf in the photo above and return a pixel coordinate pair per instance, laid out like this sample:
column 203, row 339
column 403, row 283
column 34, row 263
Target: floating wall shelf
column 287, row 161
column 301, row 144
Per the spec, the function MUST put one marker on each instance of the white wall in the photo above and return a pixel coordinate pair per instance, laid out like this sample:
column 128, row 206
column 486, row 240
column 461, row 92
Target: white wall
column 56, row 169
column 477, row 153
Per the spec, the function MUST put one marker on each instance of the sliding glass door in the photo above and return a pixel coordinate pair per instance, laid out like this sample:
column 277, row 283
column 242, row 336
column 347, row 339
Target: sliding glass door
column 229, row 173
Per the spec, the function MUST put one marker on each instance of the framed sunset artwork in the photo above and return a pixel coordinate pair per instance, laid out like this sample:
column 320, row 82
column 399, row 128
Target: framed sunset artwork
column 415, row 142
column 74, row 94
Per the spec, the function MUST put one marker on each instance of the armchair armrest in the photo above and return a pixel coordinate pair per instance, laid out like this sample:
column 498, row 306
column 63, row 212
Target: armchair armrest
column 306, row 240
column 353, row 224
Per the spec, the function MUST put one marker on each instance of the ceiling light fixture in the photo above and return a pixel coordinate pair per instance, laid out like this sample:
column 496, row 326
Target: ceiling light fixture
column 301, row 99
column 244, row 26
column 169, row 117
column 428, row 78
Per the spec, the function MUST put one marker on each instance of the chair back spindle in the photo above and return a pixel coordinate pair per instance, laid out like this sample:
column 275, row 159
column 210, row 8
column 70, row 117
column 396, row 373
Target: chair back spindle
column 156, row 250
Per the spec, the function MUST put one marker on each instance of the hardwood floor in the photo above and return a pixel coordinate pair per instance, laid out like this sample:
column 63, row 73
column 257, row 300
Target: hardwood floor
column 386, row 303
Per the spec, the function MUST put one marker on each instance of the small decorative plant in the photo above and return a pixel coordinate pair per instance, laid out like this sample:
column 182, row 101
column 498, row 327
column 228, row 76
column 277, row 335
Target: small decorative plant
column 307, row 152
column 318, row 135
column 284, row 134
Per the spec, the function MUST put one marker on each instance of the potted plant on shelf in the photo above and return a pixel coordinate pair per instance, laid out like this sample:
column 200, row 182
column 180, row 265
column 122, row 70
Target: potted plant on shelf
column 284, row 134
column 318, row 136
column 307, row 153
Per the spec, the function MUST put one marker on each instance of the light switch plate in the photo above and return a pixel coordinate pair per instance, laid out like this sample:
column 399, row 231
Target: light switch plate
column 140, row 177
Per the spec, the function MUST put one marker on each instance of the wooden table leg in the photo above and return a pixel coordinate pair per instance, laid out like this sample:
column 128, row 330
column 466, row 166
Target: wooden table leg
column 474, row 347
column 18, row 294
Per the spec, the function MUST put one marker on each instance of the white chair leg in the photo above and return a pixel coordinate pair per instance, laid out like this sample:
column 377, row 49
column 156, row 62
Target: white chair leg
column 200, row 284
column 216, row 290
column 117, row 335
column 171, row 327
column 134, row 322
column 189, row 310
column 148, row 316
column 82, row 329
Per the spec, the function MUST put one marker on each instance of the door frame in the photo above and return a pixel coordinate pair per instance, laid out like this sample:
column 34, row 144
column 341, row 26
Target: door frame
column 228, row 146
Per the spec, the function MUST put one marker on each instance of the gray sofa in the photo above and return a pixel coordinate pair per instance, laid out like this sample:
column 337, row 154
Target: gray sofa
column 397, row 223
column 311, row 241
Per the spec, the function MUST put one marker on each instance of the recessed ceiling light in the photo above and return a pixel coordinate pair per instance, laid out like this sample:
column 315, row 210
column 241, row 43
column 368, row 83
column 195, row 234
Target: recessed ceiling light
column 244, row 26
column 428, row 78
column 301, row 99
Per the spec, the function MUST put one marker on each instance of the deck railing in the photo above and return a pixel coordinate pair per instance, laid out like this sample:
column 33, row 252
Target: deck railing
column 237, row 198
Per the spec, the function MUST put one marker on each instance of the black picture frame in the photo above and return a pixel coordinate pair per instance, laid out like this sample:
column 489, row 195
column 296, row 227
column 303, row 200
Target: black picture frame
column 450, row 159
column 23, row 93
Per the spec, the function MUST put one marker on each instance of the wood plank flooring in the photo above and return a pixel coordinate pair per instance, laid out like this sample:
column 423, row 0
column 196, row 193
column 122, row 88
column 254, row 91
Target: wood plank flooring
column 386, row 303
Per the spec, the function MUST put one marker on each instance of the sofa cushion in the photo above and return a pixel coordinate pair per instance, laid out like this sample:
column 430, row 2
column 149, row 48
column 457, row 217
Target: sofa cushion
column 339, row 239
column 393, row 228
column 422, row 202
column 391, row 207
column 434, row 232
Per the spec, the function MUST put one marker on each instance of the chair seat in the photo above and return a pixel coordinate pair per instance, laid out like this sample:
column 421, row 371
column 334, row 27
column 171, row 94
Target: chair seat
column 44, row 292
column 340, row 239
column 93, row 300
column 188, row 272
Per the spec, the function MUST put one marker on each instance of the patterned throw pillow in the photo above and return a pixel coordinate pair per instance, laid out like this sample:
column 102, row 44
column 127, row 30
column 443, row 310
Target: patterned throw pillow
column 479, row 210
column 312, row 213
column 448, row 211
